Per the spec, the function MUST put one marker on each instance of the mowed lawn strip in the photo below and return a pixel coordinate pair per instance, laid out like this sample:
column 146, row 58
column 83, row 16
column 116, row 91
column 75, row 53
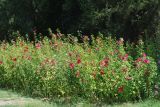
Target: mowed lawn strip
column 11, row 99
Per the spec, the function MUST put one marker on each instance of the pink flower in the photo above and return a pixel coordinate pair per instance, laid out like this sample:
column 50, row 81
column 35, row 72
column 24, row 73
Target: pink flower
column 38, row 46
column 125, row 57
column 71, row 65
column 144, row 55
column 104, row 63
column 146, row 61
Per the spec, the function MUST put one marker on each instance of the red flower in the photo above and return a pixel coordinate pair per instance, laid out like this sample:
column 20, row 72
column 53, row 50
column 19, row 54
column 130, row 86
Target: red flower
column 104, row 63
column 120, row 89
column 128, row 78
column 14, row 59
column 138, row 60
column 71, row 65
column 1, row 62
column 125, row 57
column 102, row 72
column 77, row 74
column 146, row 61
column 78, row 61
column 38, row 46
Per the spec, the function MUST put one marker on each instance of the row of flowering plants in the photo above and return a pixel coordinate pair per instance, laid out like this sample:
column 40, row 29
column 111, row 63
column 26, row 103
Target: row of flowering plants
column 52, row 68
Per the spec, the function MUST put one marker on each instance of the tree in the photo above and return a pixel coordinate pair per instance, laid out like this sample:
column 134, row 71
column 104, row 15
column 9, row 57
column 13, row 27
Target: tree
column 125, row 18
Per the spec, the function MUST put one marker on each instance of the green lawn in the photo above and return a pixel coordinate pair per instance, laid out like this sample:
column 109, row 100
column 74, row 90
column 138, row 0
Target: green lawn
column 10, row 99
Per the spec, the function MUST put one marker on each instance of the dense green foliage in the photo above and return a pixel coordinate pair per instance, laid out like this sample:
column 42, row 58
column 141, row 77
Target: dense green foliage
column 127, row 18
column 105, row 71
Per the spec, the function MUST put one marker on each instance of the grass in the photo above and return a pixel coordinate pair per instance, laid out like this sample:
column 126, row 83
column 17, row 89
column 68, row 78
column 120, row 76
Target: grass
column 7, row 94
column 29, row 102
column 11, row 99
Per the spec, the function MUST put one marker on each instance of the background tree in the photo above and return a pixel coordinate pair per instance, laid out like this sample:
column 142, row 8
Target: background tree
column 125, row 18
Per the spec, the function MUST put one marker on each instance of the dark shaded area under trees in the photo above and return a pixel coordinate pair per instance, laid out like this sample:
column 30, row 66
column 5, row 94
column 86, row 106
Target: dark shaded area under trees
column 124, row 18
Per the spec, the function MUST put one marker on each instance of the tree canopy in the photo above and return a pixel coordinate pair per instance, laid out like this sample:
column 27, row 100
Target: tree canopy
column 126, row 18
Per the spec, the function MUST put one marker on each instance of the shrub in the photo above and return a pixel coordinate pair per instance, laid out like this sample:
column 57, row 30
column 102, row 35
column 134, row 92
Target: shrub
column 103, row 71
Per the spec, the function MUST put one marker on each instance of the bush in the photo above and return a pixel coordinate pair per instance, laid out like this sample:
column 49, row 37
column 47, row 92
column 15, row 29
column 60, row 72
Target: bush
column 103, row 71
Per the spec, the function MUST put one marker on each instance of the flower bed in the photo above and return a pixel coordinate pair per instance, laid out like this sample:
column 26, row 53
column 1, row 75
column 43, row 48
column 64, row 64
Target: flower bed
column 103, row 71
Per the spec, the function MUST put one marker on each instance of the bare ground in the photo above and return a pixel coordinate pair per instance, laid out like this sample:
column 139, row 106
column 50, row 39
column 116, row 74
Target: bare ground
column 5, row 102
